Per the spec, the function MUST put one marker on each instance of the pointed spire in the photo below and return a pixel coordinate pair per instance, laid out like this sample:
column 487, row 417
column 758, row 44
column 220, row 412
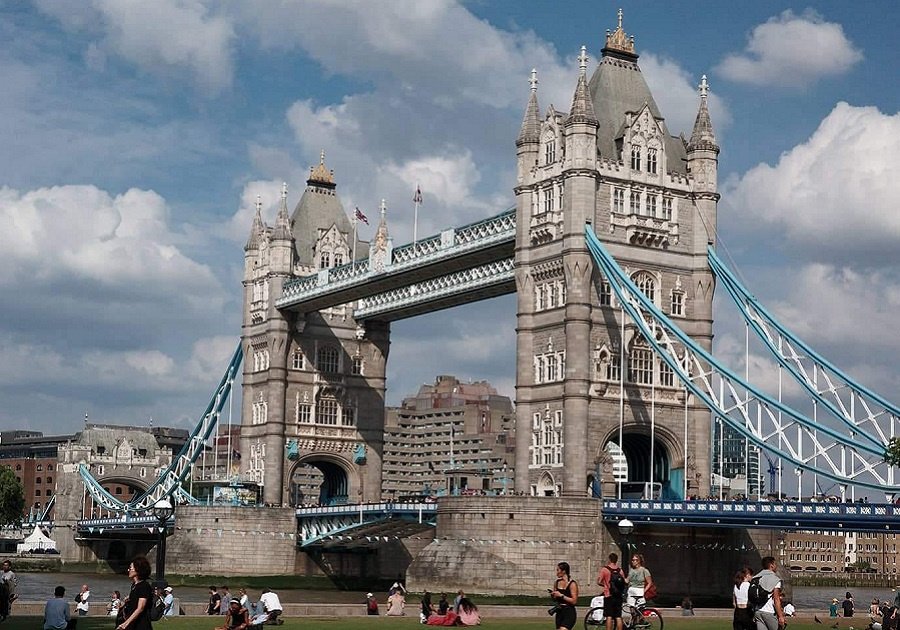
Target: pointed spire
column 703, row 136
column 582, row 104
column 256, row 230
column 531, row 124
column 618, row 43
column 282, row 221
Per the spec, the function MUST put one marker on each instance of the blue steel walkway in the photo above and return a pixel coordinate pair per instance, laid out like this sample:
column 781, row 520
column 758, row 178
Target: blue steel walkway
column 851, row 517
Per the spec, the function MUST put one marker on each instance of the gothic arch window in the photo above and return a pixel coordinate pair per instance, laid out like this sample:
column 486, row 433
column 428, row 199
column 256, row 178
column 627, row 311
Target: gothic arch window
column 652, row 201
column 667, row 208
column 549, row 141
column 677, row 306
column 298, row 362
column 325, row 260
column 635, row 158
column 652, row 160
column 357, row 368
column 326, row 411
column 619, row 200
column 635, row 200
column 605, row 293
column 327, row 360
column 640, row 363
column 646, row 283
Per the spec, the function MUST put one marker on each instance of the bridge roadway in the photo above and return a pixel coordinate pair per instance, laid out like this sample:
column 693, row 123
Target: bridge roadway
column 116, row 526
column 850, row 517
column 457, row 266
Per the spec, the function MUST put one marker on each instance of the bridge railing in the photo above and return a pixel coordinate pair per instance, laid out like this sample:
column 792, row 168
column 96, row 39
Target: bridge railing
column 122, row 522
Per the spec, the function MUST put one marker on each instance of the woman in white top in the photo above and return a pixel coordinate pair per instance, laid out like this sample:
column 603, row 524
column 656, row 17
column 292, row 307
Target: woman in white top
column 743, row 614
column 115, row 602
column 81, row 600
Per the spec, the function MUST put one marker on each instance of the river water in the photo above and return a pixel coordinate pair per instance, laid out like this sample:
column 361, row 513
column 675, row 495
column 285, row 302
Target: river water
column 39, row 586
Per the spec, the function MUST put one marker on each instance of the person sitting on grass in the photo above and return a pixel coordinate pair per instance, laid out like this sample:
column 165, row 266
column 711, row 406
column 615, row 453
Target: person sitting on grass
column 468, row 613
column 56, row 612
column 272, row 606
column 236, row 617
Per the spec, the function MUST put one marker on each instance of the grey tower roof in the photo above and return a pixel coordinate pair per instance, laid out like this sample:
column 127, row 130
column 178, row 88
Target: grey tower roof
column 282, row 231
column 318, row 209
column 618, row 86
column 703, row 136
column 257, row 229
column 531, row 123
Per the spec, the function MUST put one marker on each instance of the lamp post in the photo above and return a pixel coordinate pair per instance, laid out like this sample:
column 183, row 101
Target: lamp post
column 162, row 510
column 625, row 528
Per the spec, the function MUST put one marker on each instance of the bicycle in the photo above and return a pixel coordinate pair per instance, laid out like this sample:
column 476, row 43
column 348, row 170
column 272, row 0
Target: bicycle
column 639, row 617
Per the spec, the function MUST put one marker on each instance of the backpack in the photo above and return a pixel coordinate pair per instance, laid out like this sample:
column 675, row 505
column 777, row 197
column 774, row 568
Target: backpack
column 617, row 584
column 757, row 596
column 157, row 608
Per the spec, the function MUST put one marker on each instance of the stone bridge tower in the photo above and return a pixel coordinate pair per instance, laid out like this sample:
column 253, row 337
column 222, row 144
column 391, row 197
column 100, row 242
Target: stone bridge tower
column 593, row 404
column 313, row 390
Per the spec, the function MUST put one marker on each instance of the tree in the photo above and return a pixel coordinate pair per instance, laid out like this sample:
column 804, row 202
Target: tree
column 12, row 497
column 892, row 452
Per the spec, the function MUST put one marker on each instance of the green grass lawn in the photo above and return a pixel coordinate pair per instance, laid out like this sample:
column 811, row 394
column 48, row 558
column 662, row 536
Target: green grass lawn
column 381, row 623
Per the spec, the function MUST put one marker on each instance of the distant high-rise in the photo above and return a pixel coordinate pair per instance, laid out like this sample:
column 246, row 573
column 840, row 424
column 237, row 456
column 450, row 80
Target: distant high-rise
column 735, row 463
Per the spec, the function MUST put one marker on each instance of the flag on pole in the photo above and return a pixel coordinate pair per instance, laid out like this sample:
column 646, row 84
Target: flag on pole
column 361, row 217
column 417, row 198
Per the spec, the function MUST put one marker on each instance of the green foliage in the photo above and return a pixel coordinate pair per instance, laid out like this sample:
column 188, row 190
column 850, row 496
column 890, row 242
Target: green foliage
column 892, row 452
column 12, row 497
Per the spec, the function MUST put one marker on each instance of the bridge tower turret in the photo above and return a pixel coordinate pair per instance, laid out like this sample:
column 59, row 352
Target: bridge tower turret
column 313, row 389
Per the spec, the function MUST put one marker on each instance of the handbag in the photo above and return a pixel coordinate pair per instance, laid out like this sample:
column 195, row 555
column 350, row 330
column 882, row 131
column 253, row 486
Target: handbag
column 650, row 591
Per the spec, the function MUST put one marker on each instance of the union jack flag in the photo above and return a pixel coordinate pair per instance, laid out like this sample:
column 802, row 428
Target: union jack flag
column 417, row 198
column 361, row 217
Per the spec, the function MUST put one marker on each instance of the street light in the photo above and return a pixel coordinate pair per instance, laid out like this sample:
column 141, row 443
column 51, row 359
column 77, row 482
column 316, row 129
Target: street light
column 625, row 528
column 163, row 511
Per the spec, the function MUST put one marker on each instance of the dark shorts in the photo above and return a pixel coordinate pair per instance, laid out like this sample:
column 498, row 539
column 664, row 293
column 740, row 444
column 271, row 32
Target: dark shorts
column 612, row 607
column 566, row 617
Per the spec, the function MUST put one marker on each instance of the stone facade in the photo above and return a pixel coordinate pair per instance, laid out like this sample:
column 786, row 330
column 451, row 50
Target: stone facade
column 313, row 386
column 651, row 197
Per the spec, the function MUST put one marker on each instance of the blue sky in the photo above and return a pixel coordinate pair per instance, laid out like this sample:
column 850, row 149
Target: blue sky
column 137, row 136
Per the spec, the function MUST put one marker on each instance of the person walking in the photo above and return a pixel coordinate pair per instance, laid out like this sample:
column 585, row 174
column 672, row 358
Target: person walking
column 224, row 600
column 137, row 607
column 215, row 601
column 9, row 582
column 740, row 597
column 847, row 605
column 639, row 580
column 769, row 616
column 612, row 580
column 565, row 594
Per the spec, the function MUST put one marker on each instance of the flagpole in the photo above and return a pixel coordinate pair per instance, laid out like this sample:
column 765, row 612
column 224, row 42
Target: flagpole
column 355, row 221
column 416, row 199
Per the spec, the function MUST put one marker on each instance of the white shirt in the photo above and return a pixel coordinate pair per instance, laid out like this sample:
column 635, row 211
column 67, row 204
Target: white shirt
column 83, row 604
column 789, row 610
column 270, row 601
column 769, row 606
column 742, row 593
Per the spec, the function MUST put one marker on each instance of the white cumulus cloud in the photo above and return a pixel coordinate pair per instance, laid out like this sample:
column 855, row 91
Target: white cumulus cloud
column 792, row 50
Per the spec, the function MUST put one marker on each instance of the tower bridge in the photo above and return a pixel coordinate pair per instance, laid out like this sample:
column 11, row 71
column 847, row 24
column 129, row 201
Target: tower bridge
column 610, row 250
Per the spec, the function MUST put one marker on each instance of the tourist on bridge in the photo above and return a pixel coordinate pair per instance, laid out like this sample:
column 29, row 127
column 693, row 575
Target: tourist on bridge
column 769, row 616
column 56, row 612
column 272, row 606
column 215, row 601
column 115, row 603
column 743, row 614
column 237, row 617
column 81, row 601
column 565, row 594
column 612, row 580
column 137, row 607
column 8, row 584
column 639, row 580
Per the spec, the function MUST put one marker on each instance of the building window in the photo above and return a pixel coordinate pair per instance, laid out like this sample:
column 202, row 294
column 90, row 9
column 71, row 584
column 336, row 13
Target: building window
column 667, row 208
column 260, row 410
column 327, row 411
column 37, row 492
column 550, row 152
column 635, row 158
column 539, row 297
column 260, row 360
column 635, row 202
column 49, row 479
column 338, row 259
column 548, row 200
column 118, row 489
column 561, row 190
column 614, row 368
column 651, row 161
column 325, row 260
column 348, row 416
column 40, row 467
column 678, row 303
column 357, row 367
column 666, row 375
column 100, row 470
column 546, row 439
column 619, row 200
column 327, row 360
column 647, row 285
column 49, row 467
column 298, row 361
column 304, row 413
column 640, row 365
column 549, row 367
column 651, row 205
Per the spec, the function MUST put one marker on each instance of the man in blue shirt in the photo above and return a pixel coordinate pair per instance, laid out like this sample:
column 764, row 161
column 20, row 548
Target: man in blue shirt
column 56, row 612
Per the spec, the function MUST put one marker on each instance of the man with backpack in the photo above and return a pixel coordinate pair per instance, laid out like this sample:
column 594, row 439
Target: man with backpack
column 765, row 597
column 614, row 586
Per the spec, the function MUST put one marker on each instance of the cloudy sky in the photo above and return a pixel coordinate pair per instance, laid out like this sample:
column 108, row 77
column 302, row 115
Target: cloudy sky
column 136, row 136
